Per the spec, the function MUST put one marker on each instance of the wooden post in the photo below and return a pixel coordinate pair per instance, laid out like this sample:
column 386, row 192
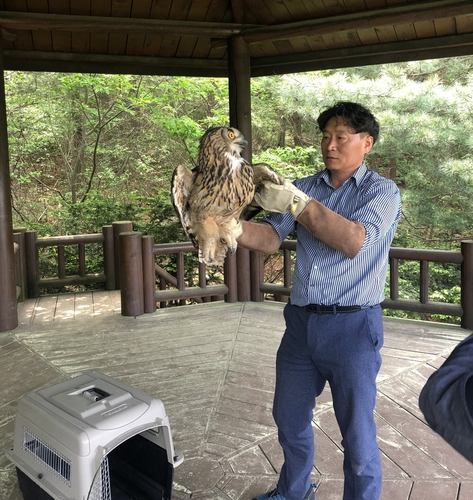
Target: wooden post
column 239, row 89
column 32, row 264
column 61, row 262
column 19, row 236
column 119, row 227
column 109, row 258
column 16, row 247
column 162, row 286
column 8, row 307
column 257, row 275
column 243, row 275
column 149, row 274
column 131, row 274
column 394, row 278
column 287, row 280
column 424, row 281
column 467, row 284
column 230, row 278
column 287, row 273
column 203, row 281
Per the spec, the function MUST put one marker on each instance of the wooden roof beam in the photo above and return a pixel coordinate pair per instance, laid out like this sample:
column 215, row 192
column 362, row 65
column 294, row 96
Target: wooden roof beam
column 411, row 13
column 63, row 62
column 71, row 23
column 384, row 53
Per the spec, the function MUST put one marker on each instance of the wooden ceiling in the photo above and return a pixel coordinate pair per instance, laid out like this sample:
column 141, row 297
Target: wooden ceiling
column 190, row 37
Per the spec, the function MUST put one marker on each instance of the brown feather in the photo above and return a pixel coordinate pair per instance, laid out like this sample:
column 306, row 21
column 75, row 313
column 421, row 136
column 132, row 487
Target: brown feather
column 210, row 199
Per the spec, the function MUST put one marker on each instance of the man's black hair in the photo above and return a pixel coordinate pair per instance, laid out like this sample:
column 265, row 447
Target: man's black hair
column 357, row 117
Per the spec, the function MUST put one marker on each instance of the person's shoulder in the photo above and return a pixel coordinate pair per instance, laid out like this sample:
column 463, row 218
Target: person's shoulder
column 374, row 181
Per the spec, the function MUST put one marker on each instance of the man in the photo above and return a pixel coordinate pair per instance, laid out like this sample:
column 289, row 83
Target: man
column 446, row 400
column 345, row 218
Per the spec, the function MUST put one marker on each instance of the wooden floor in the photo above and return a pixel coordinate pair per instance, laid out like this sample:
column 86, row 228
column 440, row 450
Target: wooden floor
column 212, row 365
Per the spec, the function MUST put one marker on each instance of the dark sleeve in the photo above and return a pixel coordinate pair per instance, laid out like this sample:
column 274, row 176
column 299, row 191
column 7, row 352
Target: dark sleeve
column 447, row 399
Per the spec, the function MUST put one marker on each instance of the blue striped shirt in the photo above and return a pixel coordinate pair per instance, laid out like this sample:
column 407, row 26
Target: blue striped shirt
column 323, row 275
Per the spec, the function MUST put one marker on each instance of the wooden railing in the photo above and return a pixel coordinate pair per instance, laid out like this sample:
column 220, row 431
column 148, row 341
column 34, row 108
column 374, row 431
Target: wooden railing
column 32, row 282
column 27, row 259
column 139, row 275
column 129, row 260
column 464, row 259
column 424, row 257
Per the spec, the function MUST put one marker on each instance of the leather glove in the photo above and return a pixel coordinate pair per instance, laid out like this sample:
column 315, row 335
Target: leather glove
column 283, row 198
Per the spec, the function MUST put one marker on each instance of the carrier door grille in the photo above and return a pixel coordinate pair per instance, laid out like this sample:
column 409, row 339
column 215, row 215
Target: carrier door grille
column 48, row 456
column 101, row 489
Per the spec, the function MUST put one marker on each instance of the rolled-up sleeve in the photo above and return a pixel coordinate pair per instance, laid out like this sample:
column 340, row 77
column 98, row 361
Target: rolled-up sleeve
column 283, row 224
column 379, row 212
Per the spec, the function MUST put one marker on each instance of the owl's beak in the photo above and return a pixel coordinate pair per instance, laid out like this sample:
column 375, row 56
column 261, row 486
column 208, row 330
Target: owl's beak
column 243, row 143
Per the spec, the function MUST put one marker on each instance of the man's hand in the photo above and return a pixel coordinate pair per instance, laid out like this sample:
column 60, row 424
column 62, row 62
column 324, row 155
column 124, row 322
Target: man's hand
column 283, row 198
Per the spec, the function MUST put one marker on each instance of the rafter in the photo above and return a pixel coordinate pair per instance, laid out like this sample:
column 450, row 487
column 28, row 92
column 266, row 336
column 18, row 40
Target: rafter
column 411, row 13
column 412, row 50
column 415, row 12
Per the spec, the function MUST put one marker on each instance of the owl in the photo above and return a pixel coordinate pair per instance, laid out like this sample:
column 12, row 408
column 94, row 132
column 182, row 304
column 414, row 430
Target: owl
column 210, row 199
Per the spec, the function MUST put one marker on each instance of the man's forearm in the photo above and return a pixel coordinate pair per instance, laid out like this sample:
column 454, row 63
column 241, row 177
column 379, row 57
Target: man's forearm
column 333, row 229
column 259, row 236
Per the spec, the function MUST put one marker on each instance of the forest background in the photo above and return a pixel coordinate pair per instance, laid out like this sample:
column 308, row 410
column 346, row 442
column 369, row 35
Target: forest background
column 87, row 149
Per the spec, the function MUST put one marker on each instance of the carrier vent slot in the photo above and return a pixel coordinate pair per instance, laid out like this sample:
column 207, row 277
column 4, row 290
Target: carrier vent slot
column 48, row 456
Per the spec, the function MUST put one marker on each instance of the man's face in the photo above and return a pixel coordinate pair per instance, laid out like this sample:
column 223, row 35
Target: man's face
column 343, row 150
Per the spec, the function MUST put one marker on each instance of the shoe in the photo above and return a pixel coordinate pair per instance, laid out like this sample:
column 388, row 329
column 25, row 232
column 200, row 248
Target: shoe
column 271, row 495
column 310, row 495
column 275, row 495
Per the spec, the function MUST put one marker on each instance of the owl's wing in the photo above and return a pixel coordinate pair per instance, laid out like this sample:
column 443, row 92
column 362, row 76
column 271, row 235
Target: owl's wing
column 261, row 172
column 181, row 185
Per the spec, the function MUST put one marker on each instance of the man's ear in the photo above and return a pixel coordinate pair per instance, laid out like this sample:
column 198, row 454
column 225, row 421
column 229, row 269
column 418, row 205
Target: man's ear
column 368, row 143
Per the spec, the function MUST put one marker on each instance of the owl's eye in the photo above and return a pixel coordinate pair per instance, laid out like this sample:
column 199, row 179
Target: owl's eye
column 231, row 134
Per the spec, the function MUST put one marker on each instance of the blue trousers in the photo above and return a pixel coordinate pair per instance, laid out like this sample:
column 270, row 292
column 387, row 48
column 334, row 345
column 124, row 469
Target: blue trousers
column 343, row 350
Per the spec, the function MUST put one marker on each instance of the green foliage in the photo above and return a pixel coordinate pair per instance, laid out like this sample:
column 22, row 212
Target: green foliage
column 86, row 150
column 291, row 163
column 444, row 286
column 425, row 143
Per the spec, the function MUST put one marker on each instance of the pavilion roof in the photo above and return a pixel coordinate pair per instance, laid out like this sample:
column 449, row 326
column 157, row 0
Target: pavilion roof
column 189, row 38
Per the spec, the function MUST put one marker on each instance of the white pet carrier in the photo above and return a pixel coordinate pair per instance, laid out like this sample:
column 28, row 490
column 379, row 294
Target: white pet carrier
column 93, row 438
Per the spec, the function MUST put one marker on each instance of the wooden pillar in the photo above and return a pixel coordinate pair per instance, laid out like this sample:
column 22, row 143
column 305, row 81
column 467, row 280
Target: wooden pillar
column 257, row 275
column 32, row 264
column 20, row 263
column 239, row 90
column 149, row 274
column 109, row 258
column 8, row 308
column 124, row 226
column 244, row 275
column 230, row 276
column 131, row 274
column 467, row 284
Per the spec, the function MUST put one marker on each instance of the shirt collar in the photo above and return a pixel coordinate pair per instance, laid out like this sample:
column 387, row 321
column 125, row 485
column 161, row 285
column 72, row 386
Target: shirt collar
column 357, row 175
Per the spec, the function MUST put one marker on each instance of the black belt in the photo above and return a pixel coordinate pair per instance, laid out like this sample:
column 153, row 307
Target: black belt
column 333, row 309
